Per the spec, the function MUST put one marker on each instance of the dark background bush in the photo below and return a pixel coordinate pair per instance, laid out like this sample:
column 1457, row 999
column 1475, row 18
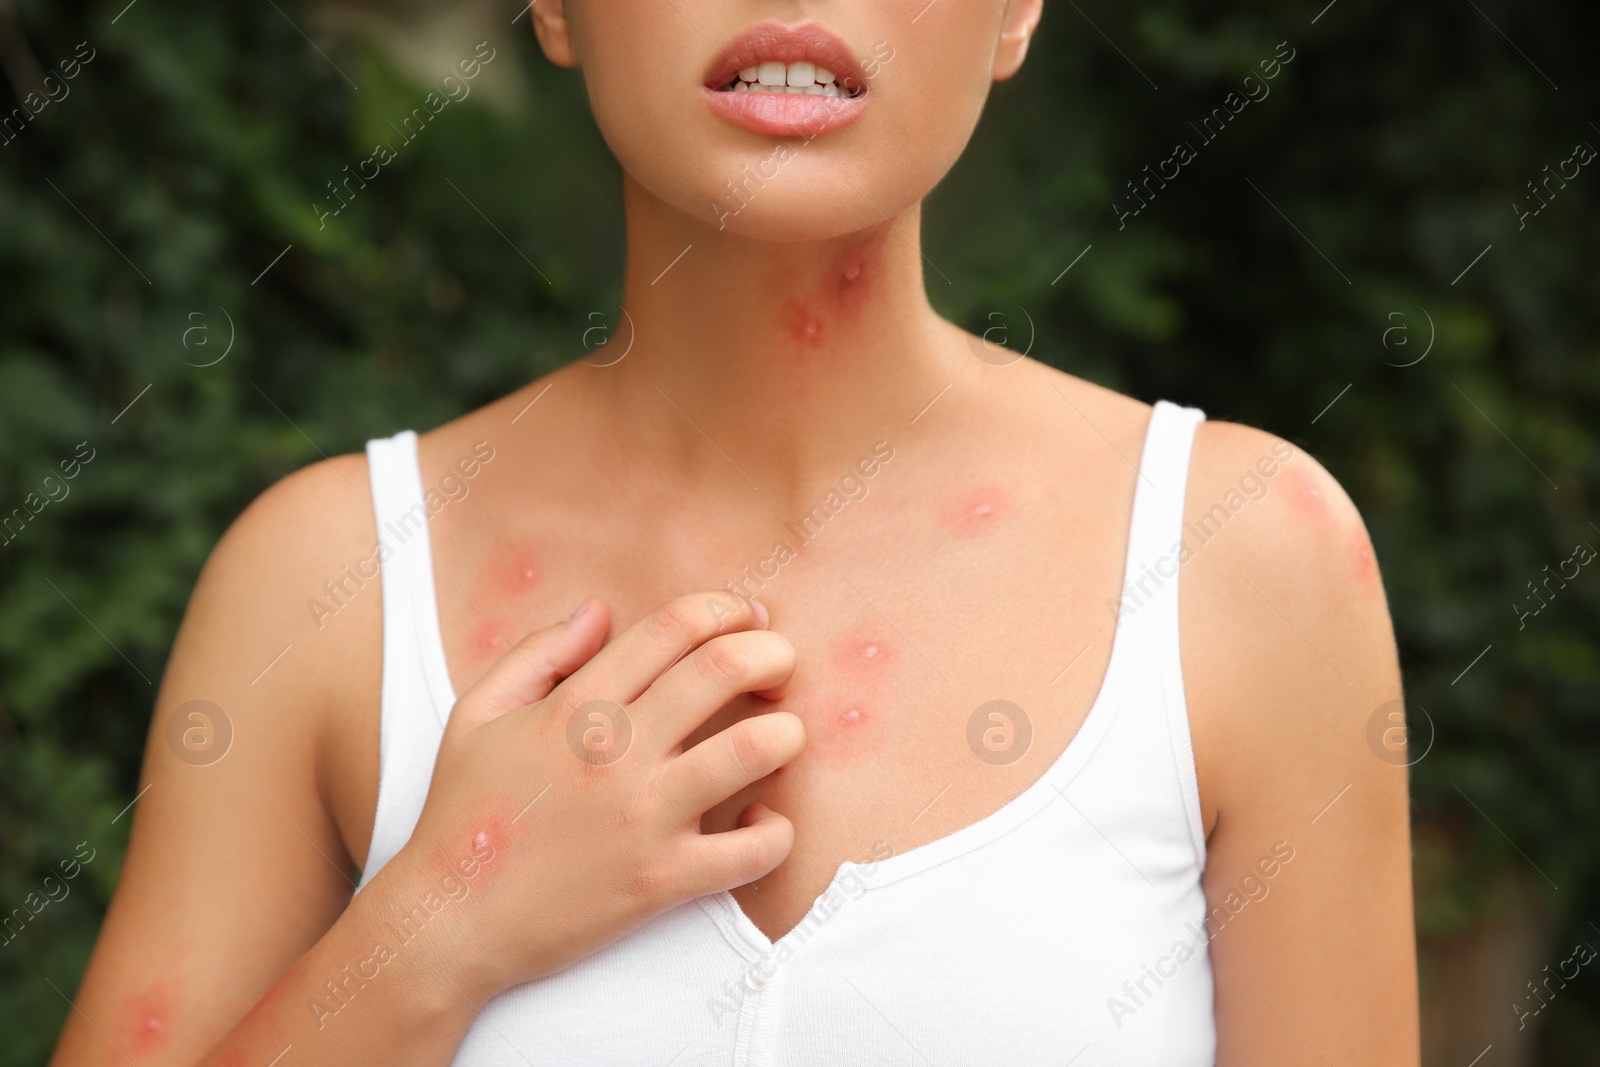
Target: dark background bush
column 1396, row 140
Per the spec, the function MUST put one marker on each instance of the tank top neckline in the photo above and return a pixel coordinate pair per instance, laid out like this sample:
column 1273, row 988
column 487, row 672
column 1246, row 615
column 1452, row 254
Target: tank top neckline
column 1163, row 434
column 1051, row 784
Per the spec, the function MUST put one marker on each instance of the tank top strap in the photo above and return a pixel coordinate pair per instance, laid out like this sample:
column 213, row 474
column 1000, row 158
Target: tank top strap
column 1157, row 521
column 416, row 692
column 1156, row 551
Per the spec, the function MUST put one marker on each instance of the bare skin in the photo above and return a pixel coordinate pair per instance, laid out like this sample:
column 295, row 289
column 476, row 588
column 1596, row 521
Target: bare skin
column 977, row 566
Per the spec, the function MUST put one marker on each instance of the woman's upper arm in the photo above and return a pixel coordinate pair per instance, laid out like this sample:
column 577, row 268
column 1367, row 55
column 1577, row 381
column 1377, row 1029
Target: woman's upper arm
column 234, row 864
column 1287, row 653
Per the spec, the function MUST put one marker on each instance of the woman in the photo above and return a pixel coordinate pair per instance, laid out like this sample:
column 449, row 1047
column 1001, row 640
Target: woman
column 880, row 732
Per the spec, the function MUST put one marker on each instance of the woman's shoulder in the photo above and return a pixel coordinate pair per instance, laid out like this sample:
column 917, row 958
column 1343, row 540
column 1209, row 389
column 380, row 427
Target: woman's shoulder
column 1287, row 646
column 1257, row 503
column 288, row 556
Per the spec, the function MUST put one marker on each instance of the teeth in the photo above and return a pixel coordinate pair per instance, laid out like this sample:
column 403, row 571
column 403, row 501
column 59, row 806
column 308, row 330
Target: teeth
column 801, row 78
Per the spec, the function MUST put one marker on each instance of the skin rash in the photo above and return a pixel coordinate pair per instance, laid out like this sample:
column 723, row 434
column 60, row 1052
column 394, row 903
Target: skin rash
column 1313, row 505
column 837, row 302
column 847, row 716
column 501, row 591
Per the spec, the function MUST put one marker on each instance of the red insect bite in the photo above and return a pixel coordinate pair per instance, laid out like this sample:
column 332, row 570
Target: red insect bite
column 486, row 639
column 486, row 839
column 802, row 325
column 149, row 1017
column 843, row 724
column 849, row 289
column 854, row 272
column 975, row 512
column 845, row 718
column 512, row 571
column 860, row 655
column 1305, row 497
column 1363, row 565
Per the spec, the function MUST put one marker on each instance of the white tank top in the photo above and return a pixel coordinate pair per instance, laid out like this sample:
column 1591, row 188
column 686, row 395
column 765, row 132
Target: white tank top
column 1066, row 928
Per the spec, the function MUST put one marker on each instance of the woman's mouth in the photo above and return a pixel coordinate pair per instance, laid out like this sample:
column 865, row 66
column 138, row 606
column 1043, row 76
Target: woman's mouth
column 786, row 81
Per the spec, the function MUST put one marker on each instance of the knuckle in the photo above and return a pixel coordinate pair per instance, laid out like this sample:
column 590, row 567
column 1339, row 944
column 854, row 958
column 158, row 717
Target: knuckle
column 637, row 815
column 750, row 855
column 678, row 623
column 723, row 609
column 722, row 663
column 561, row 704
column 651, row 881
column 752, row 749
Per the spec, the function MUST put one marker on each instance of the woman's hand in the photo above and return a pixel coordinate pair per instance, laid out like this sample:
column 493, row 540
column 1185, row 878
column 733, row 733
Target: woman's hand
column 564, row 803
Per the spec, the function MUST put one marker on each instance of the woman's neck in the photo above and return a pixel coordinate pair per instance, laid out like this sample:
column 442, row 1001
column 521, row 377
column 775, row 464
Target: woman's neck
column 792, row 358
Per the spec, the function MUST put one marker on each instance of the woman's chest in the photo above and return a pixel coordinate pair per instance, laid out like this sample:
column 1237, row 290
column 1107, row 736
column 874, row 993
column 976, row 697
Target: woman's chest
column 945, row 657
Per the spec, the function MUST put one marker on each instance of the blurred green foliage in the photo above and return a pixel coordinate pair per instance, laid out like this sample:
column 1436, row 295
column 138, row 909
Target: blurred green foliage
column 192, row 147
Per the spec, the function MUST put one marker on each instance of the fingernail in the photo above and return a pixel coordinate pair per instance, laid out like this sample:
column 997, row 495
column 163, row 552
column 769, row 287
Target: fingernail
column 761, row 612
column 579, row 613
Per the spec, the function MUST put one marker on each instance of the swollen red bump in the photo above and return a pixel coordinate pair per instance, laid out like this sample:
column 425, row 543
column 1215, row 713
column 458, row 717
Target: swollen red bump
column 486, row 639
column 512, row 571
column 802, row 325
column 854, row 271
column 1304, row 495
column 486, row 839
column 861, row 654
column 845, row 720
column 844, row 724
column 975, row 512
column 1363, row 565
column 149, row 1014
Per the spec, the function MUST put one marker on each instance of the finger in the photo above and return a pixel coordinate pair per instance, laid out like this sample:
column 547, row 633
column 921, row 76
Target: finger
column 717, row 862
column 727, row 762
column 641, row 653
column 750, row 814
column 534, row 666
column 693, row 689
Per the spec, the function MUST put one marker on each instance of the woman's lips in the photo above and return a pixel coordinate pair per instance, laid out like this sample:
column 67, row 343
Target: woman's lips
column 786, row 80
column 784, row 114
